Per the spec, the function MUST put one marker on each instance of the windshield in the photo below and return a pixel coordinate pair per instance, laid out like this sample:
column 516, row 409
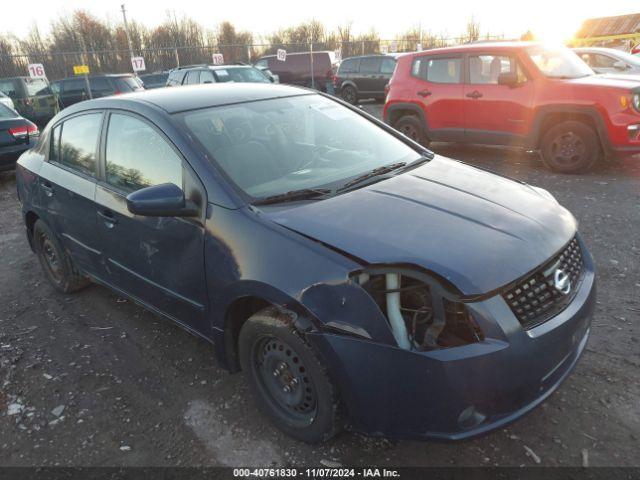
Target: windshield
column 270, row 147
column 559, row 63
column 241, row 75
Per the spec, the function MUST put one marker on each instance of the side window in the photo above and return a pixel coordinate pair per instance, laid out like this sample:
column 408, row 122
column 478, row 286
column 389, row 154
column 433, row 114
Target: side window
column 388, row 65
column 485, row 69
column 75, row 142
column 443, row 70
column 349, row 65
column 262, row 63
column 193, row 77
column 206, row 76
column 55, row 88
column 370, row 65
column 586, row 58
column 100, row 86
column 75, row 86
column 602, row 61
column 175, row 78
column 8, row 87
column 137, row 156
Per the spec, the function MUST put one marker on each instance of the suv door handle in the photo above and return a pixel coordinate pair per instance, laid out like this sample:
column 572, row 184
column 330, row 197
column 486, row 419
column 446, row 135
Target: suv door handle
column 48, row 189
column 424, row 93
column 474, row 94
column 108, row 218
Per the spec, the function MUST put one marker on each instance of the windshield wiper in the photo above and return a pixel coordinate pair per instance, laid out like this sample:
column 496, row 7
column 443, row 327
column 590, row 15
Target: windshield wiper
column 425, row 157
column 293, row 195
column 376, row 172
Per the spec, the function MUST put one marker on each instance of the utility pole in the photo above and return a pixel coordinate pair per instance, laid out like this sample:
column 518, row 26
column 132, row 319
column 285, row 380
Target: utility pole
column 126, row 31
column 86, row 62
column 313, row 80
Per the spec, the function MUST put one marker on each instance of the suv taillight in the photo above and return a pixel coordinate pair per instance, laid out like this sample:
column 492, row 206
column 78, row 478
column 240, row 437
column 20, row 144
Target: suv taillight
column 23, row 131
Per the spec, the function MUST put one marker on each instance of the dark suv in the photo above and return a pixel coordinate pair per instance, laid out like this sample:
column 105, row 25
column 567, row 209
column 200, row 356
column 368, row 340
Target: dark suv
column 364, row 77
column 519, row 94
column 32, row 98
column 74, row 89
column 352, row 275
column 194, row 75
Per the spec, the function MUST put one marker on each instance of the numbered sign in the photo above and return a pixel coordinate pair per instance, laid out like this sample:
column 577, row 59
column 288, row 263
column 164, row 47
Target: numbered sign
column 281, row 55
column 218, row 59
column 338, row 55
column 81, row 69
column 394, row 47
column 36, row 70
column 138, row 64
column 384, row 49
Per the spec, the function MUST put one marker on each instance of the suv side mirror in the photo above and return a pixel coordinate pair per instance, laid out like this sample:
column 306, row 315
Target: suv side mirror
column 619, row 65
column 164, row 200
column 508, row 78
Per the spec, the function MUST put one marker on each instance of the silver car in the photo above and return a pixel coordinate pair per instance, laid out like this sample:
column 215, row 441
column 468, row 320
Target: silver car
column 609, row 60
column 6, row 101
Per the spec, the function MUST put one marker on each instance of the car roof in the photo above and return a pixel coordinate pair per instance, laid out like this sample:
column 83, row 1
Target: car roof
column 296, row 53
column 106, row 75
column 477, row 46
column 381, row 55
column 192, row 97
column 598, row 49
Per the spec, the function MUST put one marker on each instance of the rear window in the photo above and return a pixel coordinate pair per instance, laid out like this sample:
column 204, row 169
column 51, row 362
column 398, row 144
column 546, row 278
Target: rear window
column 127, row 84
column 9, row 88
column 36, row 86
column 6, row 112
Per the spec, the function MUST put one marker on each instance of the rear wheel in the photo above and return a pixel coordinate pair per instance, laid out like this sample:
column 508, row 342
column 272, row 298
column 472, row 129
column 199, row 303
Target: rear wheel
column 349, row 94
column 289, row 383
column 411, row 127
column 570, row 147
column 57, row 265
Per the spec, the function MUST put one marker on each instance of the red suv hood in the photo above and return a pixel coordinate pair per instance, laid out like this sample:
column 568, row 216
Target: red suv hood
column 611, row 80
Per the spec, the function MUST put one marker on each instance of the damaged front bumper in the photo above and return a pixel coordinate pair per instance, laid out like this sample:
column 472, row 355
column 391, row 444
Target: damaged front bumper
column 456, row 393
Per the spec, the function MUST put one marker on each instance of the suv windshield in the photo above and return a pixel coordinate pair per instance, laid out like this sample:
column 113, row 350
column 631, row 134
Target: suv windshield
column 559, row 62
column 280, row 145
column 36, row 86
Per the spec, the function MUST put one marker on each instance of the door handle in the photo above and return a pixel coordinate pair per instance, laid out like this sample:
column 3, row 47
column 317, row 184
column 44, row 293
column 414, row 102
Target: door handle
column 48, row 189
column 107, row 217
column 474, row 94
column 424, row 93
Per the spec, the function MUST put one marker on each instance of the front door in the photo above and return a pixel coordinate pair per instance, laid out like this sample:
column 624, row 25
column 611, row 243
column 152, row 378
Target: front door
column 67, row 183
column 496, row 114
column 368, row 78
column 156, row 260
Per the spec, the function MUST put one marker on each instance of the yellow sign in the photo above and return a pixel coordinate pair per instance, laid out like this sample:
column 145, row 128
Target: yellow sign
column 81, row 69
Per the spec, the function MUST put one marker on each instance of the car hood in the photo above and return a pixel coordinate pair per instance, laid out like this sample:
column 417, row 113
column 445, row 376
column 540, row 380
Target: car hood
column 478, row 230
column 612, row 80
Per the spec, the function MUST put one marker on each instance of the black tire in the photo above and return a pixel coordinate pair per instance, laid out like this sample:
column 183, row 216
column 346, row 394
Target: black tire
column 274, row 357
column 412, row 127
column 570, row 147
column 349, row 94
column 57, row 265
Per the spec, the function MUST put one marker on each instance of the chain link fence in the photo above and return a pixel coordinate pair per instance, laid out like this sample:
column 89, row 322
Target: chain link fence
column 60, row 64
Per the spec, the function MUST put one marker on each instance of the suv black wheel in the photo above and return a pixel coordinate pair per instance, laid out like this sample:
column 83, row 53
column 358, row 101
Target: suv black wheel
column 411, row 127
column 56, row 264
column 570, row 147
column 288, row 381
column 349, row 94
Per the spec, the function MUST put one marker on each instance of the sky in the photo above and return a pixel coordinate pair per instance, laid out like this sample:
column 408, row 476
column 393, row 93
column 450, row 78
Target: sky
column 549, row 20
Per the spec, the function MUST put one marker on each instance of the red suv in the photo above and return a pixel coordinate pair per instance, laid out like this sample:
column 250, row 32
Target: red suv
column 517, row 94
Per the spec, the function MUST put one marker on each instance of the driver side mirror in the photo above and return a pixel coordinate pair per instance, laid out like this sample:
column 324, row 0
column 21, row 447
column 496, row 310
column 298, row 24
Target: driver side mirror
column 619, row 65
column 164, row 200
column 508, row 78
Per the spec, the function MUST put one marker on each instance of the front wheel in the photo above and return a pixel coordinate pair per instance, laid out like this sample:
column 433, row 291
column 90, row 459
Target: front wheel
column 349, row 94
column 290, row 384
column 570, row 147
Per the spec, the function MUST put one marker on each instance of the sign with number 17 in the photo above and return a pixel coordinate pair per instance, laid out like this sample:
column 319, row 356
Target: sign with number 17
column 138, row 64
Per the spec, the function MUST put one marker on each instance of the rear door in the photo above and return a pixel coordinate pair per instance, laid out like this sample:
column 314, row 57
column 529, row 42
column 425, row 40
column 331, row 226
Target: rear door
column 68, row 184
column 74, row 90
column 496, row 114
column 437, row 86
column 369, row 76
column 157, row 260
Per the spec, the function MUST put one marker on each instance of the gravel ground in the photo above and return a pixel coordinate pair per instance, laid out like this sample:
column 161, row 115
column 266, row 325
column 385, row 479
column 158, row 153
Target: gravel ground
column 91, row 379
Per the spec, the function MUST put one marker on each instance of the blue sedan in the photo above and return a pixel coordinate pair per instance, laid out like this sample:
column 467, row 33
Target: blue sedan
column 356, row 279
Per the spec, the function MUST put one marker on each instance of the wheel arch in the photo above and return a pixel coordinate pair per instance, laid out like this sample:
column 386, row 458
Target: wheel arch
column 30, row 219
column 547, row 117
column 397, row 110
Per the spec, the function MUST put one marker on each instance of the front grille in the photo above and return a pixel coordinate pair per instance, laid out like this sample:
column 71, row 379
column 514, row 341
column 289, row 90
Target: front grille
column 535, row 299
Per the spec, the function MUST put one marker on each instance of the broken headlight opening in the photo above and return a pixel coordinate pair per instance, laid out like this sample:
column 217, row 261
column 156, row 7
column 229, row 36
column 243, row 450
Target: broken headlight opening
column 420, row 317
